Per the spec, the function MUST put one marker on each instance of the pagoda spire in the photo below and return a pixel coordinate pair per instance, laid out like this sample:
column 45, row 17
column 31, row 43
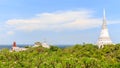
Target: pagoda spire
column 104, row 17
column 104, row 25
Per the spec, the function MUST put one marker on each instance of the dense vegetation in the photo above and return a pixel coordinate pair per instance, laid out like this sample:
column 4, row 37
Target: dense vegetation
column 77, row 56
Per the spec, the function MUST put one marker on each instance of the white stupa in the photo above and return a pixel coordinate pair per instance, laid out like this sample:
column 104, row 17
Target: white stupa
column 104, row 38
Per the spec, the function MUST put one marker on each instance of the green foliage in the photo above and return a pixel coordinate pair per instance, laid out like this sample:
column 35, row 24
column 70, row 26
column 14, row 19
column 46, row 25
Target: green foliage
column 77, row 56
column 54, row 48
column 27, row 46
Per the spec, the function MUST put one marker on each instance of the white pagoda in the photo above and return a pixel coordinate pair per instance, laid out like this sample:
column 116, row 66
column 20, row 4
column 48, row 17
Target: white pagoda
column 104, row 38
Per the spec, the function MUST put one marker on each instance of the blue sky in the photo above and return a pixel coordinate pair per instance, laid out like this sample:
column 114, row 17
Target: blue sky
column 57, row 21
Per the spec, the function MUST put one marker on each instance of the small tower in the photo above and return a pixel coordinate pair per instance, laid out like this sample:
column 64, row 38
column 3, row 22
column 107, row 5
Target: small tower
column 14, row 44
column 104, row 38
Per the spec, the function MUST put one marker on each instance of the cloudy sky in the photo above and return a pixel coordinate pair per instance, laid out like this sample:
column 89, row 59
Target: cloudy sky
column 57, row 21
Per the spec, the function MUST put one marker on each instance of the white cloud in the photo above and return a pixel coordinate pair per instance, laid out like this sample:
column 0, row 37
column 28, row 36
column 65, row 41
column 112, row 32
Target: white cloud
column 10, row 33
column 80, row 19
column 114, row 21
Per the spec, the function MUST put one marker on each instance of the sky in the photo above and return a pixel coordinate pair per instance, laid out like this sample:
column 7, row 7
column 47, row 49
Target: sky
column 57, row 22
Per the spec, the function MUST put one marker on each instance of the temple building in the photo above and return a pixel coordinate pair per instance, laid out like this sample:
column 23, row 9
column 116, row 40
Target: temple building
column 43, row 44
column 104, row 38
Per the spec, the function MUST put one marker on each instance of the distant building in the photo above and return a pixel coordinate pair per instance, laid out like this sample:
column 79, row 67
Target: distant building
column 45, row 45
column 15, row 48
column 104, row 38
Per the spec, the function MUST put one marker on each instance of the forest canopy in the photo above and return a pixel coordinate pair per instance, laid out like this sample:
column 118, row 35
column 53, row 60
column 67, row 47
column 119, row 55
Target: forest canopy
column 76, row 56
